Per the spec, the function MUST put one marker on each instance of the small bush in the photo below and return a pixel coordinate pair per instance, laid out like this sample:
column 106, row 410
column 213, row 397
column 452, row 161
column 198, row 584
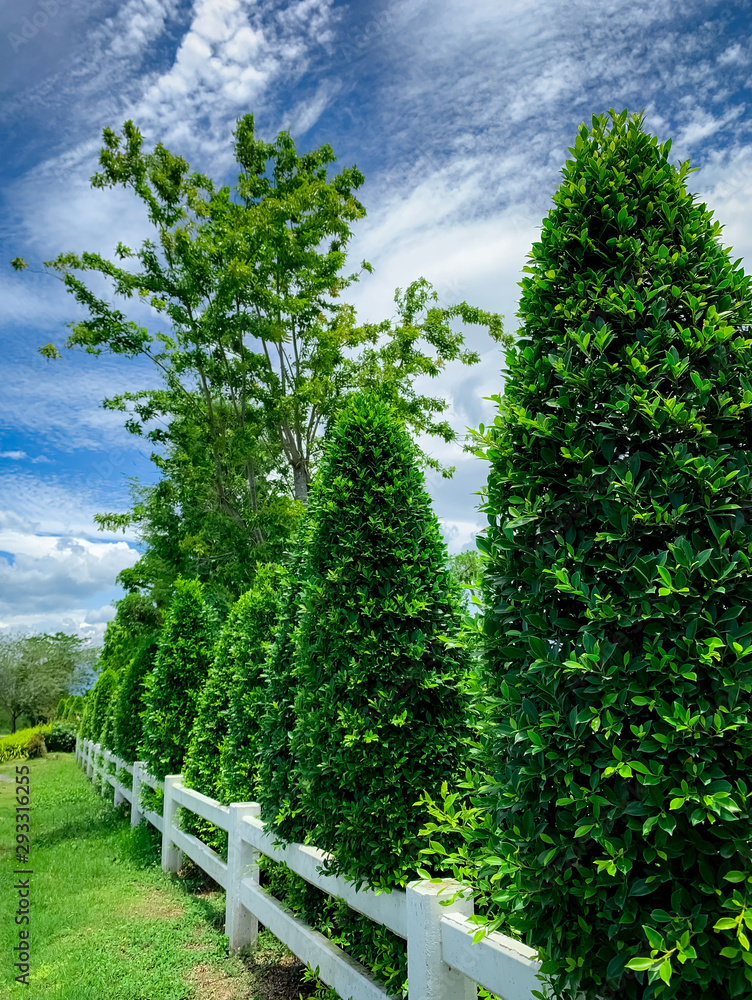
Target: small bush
column 36, row 746
column 13, row 746
column 61, row 737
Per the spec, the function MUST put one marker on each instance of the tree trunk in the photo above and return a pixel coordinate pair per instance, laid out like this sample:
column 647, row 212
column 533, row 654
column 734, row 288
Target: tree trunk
column 13, row 718
column 300, row 477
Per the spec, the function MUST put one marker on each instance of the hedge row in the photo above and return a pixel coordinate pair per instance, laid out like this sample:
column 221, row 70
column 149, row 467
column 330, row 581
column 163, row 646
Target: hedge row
column 607, row 809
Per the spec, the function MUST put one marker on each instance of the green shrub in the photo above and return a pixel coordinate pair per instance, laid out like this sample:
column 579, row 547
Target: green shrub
column 256, row 628
column 74, row 708
column 99, row 703
column 61, row 706
column 61, row 737
column 380, row 713
column 618, row 589
column 277, row 786
column 127, row 720
column 186, row 645
column 14, row 746
column 36, row 747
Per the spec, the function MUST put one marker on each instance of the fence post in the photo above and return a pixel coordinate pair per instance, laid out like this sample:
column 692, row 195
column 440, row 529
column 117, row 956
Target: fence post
column 136, row 795
column 118, row 797
column 105, row 761
column 97, row 777
column 241, row 926
column 89, row 760
column 428, row 975
column 170, row 853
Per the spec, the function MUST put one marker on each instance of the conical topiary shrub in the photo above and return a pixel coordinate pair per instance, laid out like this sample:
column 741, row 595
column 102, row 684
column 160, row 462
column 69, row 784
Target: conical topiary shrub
column 186, row 646
column 618, row 587
column 247, row 697
column 380, row 712
column 127, row 719
column 222, row 756
column 277, row 785
column 99, row 701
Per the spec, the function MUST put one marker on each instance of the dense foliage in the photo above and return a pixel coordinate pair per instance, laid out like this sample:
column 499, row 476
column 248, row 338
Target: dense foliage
column 618, row 586
column 186, row 646
column 379, row 712
column 278, row 792
column 61, row 737
column 256, row 628
column 128, row 710
column 222, row 756
column 97, row 706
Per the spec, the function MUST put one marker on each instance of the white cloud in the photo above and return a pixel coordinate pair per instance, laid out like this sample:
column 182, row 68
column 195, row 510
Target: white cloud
column 32, row 505
column 14, row 456
column 54, row 574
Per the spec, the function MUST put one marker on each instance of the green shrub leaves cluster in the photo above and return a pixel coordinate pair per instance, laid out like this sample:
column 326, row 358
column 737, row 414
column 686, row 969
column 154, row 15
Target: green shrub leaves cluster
column 186, row 646
column 278, row 793
column 256, row 628
column 97, row 706
column 379, row 710
column 222, row 758
column 127, row 716
column 618, row 588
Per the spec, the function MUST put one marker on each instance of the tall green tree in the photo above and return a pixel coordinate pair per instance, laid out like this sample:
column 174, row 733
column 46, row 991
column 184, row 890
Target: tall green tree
column 278, row 792
column 261, row 348
column 617, row 588
column 222, row 757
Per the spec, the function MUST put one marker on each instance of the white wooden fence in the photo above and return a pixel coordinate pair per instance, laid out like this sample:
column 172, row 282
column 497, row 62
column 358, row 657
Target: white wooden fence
column 443, row 963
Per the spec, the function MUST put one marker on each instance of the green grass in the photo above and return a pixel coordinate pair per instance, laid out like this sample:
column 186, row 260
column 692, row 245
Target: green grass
column 106, row 923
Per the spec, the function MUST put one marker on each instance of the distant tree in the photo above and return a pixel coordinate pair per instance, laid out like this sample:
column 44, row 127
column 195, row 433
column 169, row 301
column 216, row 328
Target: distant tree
column 36, row 671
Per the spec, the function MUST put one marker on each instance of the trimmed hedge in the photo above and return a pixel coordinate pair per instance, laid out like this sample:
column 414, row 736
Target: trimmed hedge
column 98, row 703
column 127, row 721
column 618, row 588
column 222, row 756
column 277, row 787
column 256, row 629
column 186, row 645
column 380, row 713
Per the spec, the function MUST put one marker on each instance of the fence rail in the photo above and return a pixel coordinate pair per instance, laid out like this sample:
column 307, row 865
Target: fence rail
column 443, row 963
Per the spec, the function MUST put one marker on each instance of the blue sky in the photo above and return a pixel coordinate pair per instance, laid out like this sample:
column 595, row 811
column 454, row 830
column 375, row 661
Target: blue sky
column 459, row 114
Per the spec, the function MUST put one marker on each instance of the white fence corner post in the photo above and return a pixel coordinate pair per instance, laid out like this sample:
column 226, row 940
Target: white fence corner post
column 90, row 760
column 136, row 794
column 171, row 855
column 428, row 975
column 241, row 926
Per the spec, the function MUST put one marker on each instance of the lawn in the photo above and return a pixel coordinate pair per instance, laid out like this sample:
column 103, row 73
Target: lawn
column 105, row 922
